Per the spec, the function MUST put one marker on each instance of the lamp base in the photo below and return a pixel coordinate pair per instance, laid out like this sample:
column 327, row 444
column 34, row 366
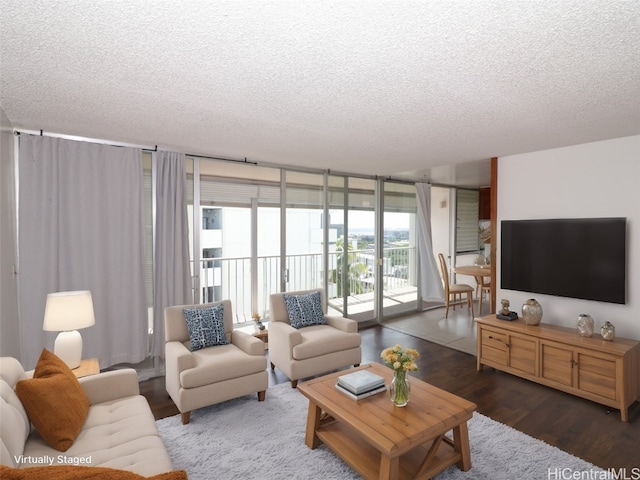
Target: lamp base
column 68, row 347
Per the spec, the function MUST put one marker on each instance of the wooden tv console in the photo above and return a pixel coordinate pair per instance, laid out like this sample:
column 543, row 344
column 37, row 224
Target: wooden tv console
column 601, row 371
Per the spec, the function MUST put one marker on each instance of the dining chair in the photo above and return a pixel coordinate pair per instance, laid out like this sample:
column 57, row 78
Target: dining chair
column 454, row 289
column 484, row 285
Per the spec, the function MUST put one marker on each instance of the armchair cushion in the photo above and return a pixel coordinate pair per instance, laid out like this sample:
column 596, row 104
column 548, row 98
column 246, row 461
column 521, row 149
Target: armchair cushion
column 304, row 310
column 55, row 402
column 221, row 363
column 320, row 340
column 206, row 326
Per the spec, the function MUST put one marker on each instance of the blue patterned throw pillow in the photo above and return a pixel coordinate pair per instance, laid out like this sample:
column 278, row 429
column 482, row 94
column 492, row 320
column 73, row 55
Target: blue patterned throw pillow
column 206, row 326
column 304, row 310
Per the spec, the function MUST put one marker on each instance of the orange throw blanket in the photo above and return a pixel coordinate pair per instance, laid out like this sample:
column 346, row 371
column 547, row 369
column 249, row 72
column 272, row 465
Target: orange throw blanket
column 70, row 472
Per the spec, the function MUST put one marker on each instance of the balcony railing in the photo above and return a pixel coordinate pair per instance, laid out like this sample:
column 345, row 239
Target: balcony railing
column 230, row 278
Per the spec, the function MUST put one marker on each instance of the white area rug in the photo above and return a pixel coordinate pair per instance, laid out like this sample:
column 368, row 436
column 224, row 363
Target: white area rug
column 247, row 439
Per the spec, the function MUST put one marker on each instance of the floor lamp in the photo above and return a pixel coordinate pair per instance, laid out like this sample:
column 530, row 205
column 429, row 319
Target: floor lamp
column 67, row 312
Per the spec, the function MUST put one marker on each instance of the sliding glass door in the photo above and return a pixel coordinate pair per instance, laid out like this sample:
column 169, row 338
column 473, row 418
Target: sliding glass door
column 352, row 242
column 399, row 259
column 262, row 230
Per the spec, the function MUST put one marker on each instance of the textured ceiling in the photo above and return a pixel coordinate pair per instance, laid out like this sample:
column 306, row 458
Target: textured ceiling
column 377, row 87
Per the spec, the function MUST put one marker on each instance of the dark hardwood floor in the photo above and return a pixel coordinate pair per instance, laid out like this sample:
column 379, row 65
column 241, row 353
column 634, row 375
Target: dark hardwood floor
column 585, row 429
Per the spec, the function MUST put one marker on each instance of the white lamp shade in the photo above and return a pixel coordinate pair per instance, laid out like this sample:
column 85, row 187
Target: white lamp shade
column 68, row 311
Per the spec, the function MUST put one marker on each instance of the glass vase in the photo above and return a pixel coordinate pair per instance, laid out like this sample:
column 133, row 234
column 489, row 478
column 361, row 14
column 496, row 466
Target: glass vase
column 532, row 312
column 608, row 331
column 400, row 388
column 585, row 325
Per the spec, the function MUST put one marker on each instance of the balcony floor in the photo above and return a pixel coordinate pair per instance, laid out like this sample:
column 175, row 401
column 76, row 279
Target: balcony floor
column 364, row 302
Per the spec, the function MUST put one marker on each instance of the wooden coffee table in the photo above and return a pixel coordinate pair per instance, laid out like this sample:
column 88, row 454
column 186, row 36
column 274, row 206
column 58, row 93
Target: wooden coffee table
column 381, row 441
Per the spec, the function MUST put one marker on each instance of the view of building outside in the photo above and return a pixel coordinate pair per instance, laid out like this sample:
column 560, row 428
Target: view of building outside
column 240, row 241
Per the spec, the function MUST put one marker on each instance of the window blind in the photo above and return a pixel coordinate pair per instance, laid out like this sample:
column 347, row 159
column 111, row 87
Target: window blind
column 237, row 194
column 467, row 218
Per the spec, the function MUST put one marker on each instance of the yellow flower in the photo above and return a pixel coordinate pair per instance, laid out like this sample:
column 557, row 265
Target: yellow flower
column 412, row 353
column 400, row 360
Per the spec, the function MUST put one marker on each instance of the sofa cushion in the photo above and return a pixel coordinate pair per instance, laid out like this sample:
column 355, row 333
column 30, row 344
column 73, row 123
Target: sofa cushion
column 14, row 425
column 54, row 401
column 206, row 326
column 71, row 472
column 304, row 310
column 119, row 434
column 322, row 339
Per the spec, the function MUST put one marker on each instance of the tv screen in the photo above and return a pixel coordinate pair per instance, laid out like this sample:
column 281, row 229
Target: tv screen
column 578, row 258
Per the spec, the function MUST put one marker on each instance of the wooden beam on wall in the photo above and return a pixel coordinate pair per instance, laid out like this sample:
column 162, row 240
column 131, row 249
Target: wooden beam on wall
column 494, row 229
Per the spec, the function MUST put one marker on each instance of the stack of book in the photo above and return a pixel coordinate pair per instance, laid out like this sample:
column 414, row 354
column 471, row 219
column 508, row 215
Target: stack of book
column 360, row 384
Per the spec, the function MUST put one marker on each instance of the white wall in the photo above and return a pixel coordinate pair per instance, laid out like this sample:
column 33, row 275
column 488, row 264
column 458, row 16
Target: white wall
column 599, row 179
column 9, row 331
column 440, row 215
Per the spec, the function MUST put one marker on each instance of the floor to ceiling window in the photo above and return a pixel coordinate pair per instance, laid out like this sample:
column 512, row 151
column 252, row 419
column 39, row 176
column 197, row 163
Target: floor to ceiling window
column 399, row 261
column 261, row 230
column 352, row 256
column 303, row 251
column 239, row 236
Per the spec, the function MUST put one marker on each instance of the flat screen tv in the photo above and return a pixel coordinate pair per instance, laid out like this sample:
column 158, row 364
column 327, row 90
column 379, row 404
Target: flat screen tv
column 577, row 258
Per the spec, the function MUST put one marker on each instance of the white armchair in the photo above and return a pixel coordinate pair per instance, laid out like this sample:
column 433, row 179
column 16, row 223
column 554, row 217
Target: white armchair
column 214, row 374
column 311, row 350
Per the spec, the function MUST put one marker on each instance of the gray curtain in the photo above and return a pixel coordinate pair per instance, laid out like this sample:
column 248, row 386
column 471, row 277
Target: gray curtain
column 172, row 272
column 431, row 287
column 81, row 227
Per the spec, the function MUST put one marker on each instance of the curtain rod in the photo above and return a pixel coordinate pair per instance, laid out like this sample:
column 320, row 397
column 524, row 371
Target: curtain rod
column 76, row 138
column 244, row 161
column 123, row 144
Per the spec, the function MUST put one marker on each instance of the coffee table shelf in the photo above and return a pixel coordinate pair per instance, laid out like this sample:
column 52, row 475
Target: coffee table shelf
column 365, row 459
column 381, row 441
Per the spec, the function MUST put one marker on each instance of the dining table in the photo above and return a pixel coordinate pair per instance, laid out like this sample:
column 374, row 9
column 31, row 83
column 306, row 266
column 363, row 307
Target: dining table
column 479, row 272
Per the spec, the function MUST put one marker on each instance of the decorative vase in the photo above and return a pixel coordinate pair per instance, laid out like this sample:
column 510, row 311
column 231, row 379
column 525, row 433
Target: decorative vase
column 608, row 331
column 585, row 325
column 532, row 312
column 400, row 388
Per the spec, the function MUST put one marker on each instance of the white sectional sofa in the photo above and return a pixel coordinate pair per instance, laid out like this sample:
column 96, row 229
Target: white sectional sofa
column 119, row 430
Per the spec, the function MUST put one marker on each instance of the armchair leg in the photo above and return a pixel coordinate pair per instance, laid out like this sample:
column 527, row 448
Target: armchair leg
column 356, row 365
column 273, row 367
column 261, row 395
column 294, row 383
column 186, row 417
